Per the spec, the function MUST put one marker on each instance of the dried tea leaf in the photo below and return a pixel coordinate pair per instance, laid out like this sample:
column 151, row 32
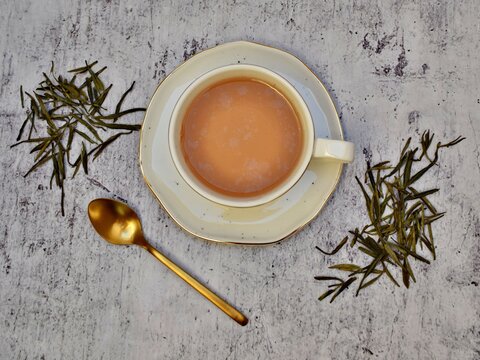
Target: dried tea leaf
column 99, row 101
column 326, row 294
column 419, row 195
column 22, row 100
column 76, row 165
column 368, row 270
column 381, row 166
column 346, row 267
column 119, row 126
column 405, row 277
column 85, row 136
column 408, row 166
column 83, row 156
column 337, row 248
column 367, row 251
column 98, row 150
column 452, row 143
column 392, row 254
column 91, row 96
column 344, row 286
column 431, row 219
column 365, row 195
column 34, row 140
column 120, row 102
column 44, row 147
column 19, row 136
column 99, row 86
column 371, row 281
column 117, row 115
column 325, row 278
column 83, row 69
column 64, row 113
column 39, row 163
column 389, row 274
column 89, row 127
column 405, row 147
column 406, row 264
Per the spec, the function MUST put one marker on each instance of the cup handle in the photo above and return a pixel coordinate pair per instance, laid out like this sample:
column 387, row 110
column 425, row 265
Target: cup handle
column 335, row 150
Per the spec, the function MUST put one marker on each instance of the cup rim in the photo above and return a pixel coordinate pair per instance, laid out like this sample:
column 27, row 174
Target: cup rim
column 243, row 202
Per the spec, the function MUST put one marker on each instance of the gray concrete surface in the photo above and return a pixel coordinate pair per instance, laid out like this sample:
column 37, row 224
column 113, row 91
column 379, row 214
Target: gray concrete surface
column 394, row 68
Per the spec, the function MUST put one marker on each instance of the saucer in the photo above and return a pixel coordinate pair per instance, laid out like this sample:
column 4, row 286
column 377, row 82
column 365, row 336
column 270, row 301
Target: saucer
column 203, row 218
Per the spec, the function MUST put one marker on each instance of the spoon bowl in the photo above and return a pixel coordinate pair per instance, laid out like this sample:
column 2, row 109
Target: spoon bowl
column 115, row 222
column 118, row 224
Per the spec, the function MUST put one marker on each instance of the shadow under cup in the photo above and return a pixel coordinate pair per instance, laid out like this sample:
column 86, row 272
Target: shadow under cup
column 247, row 72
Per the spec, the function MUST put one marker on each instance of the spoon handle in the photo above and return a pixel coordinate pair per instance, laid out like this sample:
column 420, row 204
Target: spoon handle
column 210, row 295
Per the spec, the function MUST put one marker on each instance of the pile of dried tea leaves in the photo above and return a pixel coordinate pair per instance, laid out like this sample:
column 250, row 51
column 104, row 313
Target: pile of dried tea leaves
column 401, row 218
column 66, row 115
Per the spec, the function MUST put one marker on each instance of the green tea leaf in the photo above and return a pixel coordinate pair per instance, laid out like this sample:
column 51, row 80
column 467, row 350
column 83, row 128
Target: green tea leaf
column 420, row 173
column 452, row 143
column 367, row 251
column 431, row 219
column 106, row 143
column 392, row 254
column 45, row 113
column 91, row 96
column 409, row 269
column 371, row 281
column 328, row 278
column 83, row 69
column 419, row 195
column 405, row 147
column 115, row 116
column 405, row 277
column 326, row 294
column 365, row 195
column 344, row 286
column 99, row 86
column 35, row 140
column 99, row 100
column 39, row 163
column 346, row 267
column 120, row 102
column 368, row 270
column 77, row 164
column 407, row 251
column 83, row 157
column 389, row 274
column 381, row 166
column 23, row 126
column 85, row 136
column 408, row 166
column 337, row 248
column 21, row 97
column 117, row 126
column 44, row 147
column 89, row 127
column 60, row 161
column 369, row 173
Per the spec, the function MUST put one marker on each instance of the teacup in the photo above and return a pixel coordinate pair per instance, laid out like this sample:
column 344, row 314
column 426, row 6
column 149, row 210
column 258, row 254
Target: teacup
column 311, row 148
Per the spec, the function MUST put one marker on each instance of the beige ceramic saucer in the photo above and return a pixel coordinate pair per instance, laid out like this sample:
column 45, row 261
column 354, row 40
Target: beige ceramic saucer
column 258, row 225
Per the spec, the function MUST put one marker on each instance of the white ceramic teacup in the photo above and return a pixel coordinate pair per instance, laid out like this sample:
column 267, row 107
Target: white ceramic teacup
column 313, row 148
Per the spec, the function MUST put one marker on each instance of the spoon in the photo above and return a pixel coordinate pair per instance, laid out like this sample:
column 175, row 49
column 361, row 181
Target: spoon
column 118, row 224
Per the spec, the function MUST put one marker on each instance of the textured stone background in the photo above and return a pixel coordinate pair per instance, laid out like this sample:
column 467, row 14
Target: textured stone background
column 394, row 69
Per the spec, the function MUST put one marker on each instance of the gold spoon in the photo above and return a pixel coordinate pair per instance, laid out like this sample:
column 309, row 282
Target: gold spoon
column 118, row 224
